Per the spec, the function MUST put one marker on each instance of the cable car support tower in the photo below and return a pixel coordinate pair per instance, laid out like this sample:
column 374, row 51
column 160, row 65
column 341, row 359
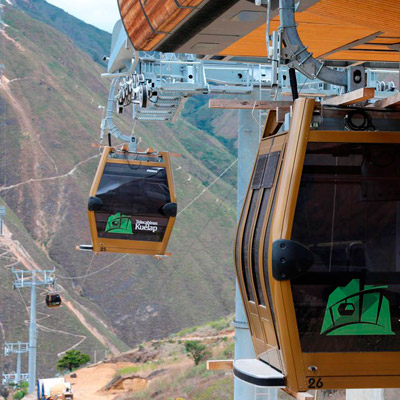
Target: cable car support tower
column 32, row 279
column 18, row 348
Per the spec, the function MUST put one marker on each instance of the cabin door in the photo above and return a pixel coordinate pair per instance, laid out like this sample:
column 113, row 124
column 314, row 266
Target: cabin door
column 252, row 249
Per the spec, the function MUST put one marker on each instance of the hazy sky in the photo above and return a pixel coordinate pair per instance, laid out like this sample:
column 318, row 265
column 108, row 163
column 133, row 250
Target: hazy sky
column 100, row 13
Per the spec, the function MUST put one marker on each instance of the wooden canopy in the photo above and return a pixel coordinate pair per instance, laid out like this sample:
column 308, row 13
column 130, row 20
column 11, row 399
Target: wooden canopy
column 344, row 30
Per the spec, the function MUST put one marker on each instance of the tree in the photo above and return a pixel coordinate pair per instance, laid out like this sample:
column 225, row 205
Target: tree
column 195, row 350
column 72, row 359
column 22, row 392
column 4, row 391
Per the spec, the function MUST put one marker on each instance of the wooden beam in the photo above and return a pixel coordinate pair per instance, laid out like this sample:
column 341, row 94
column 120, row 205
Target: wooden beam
column 218, row 365
column 232, row 104
column 389, row 102
column 354, row 97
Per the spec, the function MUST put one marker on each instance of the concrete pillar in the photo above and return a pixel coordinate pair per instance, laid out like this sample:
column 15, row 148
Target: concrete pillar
column 365, row 394
column 32, row 337
column 18, row 373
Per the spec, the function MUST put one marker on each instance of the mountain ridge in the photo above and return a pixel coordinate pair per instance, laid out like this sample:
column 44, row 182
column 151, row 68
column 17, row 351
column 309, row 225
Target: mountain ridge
column 49, row 118
column 88, row 38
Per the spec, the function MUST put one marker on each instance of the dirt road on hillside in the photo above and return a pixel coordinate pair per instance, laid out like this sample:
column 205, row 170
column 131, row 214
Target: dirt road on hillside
column 23, row 257
column 90, row 381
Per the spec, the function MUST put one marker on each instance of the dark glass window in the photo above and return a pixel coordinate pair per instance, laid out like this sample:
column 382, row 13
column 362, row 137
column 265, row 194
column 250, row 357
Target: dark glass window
column 266, row 250
column 265, row 180
column 259, row 171
column 246, row 255
column 256, row 245
column 133, row 197
column 348, row 215
column 270, row 170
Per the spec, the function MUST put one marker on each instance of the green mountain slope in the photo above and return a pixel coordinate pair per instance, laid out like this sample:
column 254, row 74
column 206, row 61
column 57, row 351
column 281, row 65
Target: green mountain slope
column 88, row 38
column 222, row 124
column 58, row 329
column 49, row 119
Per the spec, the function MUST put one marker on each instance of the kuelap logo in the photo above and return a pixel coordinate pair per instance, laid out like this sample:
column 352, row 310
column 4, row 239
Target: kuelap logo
column 356, row 310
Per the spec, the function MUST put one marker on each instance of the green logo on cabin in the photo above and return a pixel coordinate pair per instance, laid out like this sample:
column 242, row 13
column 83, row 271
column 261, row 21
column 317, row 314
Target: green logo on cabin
column 352, row 310
column 118, row 223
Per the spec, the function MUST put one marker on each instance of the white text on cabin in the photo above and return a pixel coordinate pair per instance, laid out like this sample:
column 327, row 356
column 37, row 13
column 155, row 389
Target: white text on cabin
column 141, row 225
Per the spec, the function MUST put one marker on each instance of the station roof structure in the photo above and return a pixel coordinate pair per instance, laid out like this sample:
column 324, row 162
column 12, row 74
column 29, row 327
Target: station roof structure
column 344, row 31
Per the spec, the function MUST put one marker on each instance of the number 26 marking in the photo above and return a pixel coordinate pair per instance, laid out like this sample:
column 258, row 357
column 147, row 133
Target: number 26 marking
column 315, row 384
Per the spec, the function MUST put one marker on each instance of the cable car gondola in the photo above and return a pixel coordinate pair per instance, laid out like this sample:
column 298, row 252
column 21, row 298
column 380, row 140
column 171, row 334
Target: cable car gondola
column 53, row 300
column 132, row 205
column 317, row 253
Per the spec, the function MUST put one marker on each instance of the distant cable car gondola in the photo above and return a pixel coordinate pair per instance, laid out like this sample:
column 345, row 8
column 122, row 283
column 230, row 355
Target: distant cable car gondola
column 317, row 254
column 132, row 205
column 53, row 300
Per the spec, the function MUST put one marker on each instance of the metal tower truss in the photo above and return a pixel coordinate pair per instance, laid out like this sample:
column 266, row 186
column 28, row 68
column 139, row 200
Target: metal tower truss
column 18, row 348
column 12, row 378
column 15, row 348
column 24, row 278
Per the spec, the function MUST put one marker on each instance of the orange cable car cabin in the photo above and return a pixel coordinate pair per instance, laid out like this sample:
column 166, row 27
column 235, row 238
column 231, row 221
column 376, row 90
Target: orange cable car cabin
column 317, row 253
column 132, row 205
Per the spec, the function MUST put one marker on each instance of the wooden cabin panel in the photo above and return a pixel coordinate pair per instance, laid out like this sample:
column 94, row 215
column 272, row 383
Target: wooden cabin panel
column 287, row 189
column 346, row 364
column 257, row 327
column 259, row 346
column 351, row 382
column 279, row 141
column 247, row 249
column 265, row 172
column 265, row 145
column 268, row 325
